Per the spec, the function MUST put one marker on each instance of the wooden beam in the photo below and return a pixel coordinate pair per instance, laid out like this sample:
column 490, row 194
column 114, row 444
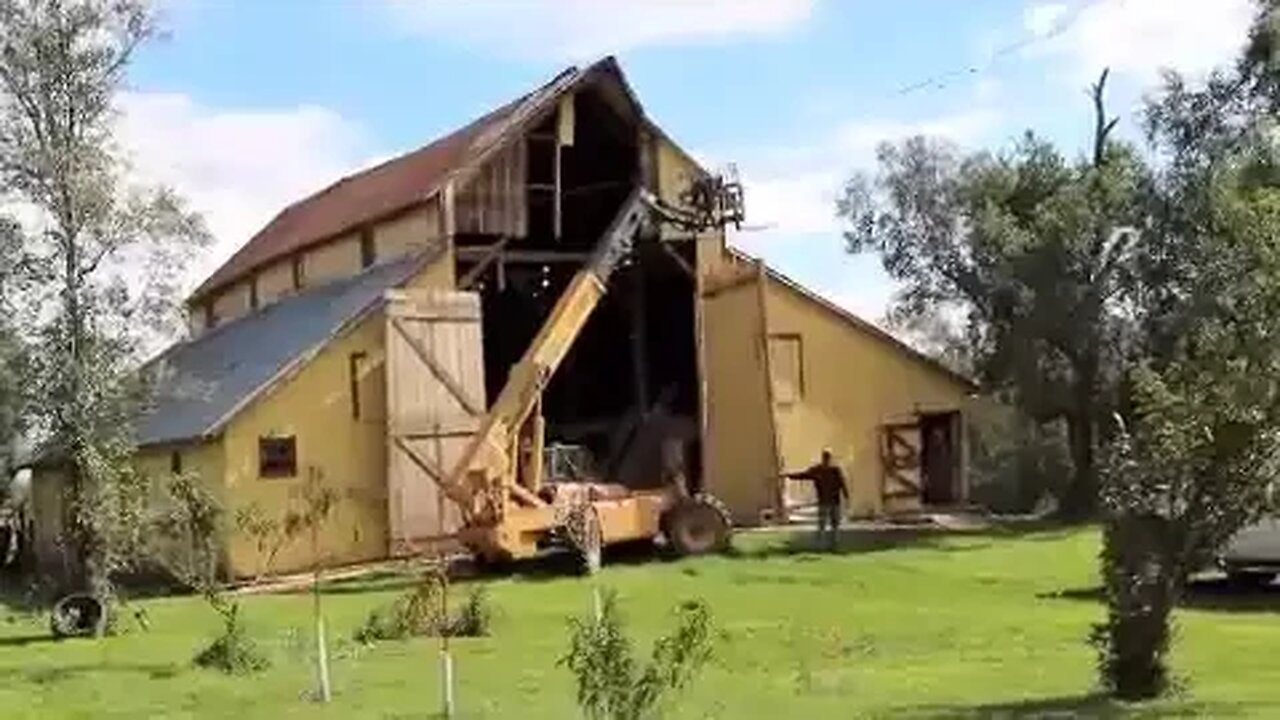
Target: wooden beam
column 537, row 257
column 492, row 253
column 684, row 264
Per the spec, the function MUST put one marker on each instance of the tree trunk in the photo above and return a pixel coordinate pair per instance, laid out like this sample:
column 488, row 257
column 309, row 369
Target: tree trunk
column 1080, row 500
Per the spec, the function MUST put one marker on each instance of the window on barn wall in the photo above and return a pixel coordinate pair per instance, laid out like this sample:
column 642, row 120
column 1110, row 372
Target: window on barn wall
column 355, row 368
column 368, row 254
column 277, row 457
column 299, row 274
column 786, row 365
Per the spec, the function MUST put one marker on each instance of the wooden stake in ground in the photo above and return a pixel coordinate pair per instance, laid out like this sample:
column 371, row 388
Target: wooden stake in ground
column 446, row 660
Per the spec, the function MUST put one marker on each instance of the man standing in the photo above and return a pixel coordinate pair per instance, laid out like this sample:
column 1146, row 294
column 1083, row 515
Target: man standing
column 828, row 484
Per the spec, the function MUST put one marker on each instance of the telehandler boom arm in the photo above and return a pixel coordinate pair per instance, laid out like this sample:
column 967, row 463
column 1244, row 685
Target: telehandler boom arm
column 486, row 477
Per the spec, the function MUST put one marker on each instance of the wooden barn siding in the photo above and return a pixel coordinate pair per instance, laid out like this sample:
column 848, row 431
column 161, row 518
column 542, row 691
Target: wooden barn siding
column 853, row 383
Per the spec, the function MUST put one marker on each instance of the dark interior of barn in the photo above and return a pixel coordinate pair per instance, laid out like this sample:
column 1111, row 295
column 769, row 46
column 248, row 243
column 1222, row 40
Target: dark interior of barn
column 627, row 392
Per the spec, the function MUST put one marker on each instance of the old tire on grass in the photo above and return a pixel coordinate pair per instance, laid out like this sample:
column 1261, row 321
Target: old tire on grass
column 697, row 525
column 78, row 615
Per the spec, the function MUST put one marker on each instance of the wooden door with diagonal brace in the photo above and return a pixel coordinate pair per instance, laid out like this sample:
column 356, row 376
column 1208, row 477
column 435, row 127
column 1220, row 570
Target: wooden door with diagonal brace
column 435, row 403
column 900, row 463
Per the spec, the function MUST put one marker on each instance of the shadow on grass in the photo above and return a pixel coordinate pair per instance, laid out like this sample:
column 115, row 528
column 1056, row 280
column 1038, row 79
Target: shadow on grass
column 64, row 673
column 1072, row 706
column 19, row 641
column 1212, row 594
column 860, row 540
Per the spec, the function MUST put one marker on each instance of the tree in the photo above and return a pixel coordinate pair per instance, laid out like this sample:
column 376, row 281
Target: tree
column 102, row 256
column 1025, row 246
column 612, row 683
column 1201, row 412
column 12, row 352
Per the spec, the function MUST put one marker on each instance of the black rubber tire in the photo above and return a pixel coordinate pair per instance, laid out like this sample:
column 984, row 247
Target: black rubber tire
column 78, row 615
column 697, row 526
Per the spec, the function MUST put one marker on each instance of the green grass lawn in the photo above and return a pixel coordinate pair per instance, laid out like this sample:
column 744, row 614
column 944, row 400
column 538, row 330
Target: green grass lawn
column 979, row 625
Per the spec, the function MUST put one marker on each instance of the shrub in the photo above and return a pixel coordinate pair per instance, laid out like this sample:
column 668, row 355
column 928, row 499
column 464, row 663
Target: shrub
column 420, row 613
column 611, row 684
column 474, row 617
column 233, row 652
column 412, row 614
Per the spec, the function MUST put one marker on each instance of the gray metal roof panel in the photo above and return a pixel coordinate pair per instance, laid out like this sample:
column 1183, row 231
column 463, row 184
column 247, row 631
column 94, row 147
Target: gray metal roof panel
column 199, row 382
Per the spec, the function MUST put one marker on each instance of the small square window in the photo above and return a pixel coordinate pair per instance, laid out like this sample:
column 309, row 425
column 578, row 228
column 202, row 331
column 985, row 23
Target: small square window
column 277, row 457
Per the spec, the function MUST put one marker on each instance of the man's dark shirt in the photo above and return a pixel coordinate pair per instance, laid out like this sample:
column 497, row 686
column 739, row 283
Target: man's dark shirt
column 828, row 482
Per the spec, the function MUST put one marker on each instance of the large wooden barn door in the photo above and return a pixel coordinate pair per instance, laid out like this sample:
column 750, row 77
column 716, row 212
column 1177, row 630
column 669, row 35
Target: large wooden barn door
column 740, row 458
column 435, row 402
column 900, row 464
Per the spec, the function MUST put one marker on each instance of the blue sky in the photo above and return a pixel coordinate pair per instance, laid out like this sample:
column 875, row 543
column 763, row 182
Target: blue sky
column 249, row 105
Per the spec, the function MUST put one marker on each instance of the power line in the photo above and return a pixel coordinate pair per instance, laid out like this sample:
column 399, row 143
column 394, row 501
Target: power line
column 943, row 80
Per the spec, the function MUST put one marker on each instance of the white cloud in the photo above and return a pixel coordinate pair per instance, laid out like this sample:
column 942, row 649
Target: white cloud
column 1137, row 38
column 583, row 29
column 791, row 196
column 794, row 191
column 239, row 167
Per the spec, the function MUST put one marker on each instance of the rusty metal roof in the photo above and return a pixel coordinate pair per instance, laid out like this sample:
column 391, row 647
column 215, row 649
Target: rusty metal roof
column 393, row 186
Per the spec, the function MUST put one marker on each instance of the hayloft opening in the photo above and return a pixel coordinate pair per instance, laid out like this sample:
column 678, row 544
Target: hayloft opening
column 627, row 392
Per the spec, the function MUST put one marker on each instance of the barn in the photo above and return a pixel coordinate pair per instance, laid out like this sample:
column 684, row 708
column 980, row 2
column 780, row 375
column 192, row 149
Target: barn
column 314, row 353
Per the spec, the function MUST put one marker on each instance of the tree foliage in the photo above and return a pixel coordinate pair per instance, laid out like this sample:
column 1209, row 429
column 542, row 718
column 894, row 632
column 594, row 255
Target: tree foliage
column 1030, row 248
column 101, row 256
column 1201, row 413
column 612, row 683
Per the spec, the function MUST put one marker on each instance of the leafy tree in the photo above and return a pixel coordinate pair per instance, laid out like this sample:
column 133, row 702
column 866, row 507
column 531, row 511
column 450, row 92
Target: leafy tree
column 101, row 255
column 1201, row 410
column 1025, row 245
column 186, row 527
column 612, row 684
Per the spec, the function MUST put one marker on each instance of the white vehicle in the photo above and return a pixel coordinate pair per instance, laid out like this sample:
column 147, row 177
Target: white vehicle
column 1253, row 555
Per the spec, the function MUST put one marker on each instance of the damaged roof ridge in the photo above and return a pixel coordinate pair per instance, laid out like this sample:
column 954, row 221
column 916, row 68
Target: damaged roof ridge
column 287, row 232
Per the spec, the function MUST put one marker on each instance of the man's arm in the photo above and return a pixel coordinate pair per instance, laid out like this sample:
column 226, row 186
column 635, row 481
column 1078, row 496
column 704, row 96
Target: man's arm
column 844, row 487
column 806, row 474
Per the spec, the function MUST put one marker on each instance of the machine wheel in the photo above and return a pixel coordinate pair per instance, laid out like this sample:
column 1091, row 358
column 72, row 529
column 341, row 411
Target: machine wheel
column 698, row 525
column 582, row 526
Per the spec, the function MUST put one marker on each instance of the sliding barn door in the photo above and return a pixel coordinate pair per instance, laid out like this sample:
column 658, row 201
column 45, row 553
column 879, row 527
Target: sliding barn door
column 435, row 402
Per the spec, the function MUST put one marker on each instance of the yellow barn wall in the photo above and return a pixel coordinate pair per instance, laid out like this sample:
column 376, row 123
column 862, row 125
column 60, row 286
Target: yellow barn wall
column 232, row 303
column 853, row 383
column 740, row 462
column 407, row 234
column 275, row 281
column 49, row 491
column 350, row 455
column 335, row 259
